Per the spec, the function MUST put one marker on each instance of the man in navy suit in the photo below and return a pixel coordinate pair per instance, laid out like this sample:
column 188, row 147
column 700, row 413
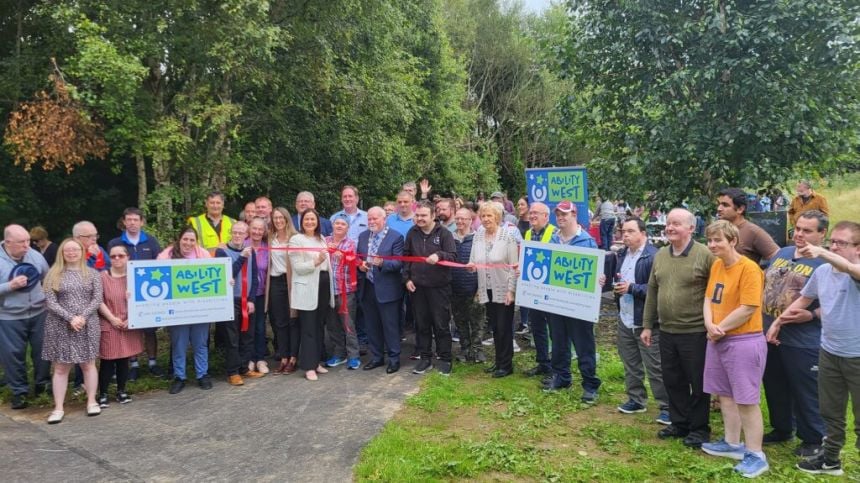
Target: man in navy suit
column 380, row 289
column 305, row 201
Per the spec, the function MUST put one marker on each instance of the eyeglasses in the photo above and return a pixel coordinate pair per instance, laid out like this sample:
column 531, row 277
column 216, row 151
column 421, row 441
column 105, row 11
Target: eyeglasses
column 118, row 256
column 94, row 236
column 841, row 244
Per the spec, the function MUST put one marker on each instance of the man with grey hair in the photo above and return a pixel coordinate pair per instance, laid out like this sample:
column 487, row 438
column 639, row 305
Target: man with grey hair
column 87, row 235
column 22, row 313
column 806, row 200
column 676, row 289
column 305, row 201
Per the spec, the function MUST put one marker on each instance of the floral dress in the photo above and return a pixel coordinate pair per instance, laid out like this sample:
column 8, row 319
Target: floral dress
column 78, row 295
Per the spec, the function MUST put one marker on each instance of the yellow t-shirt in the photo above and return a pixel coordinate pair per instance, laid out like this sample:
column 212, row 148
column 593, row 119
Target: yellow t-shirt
column 731, row 287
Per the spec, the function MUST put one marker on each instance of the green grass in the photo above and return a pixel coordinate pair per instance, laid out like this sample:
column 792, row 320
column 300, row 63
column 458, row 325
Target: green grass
column 469, row 426
column 843, row 197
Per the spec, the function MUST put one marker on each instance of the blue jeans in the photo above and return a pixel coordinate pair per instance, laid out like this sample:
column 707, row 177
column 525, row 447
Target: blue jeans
column 607, row 231
column 539, row 325
column 581, row 332
column 524, row 316
column 15, row 335
column 198, row 336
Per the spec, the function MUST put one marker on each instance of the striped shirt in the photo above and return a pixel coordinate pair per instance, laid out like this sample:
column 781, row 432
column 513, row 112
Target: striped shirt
column 117, row 343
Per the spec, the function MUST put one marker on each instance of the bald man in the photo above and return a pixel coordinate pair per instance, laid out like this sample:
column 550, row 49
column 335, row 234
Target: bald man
column 22, row 313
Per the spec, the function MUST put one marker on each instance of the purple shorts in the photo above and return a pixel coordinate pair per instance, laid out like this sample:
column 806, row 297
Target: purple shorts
column 734, row 367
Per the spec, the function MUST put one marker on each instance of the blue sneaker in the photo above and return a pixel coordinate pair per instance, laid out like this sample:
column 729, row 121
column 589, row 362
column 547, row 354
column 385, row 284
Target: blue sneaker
column 589, row 397
column 335, row 361
column 631, row 407
column 721, row 448
column 752, row 465
column 353, row 363
column 663, row 417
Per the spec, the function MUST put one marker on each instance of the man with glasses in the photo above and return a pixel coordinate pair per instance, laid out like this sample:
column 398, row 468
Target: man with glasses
column 541, row 230
column 140, row 246
column 791, row 372
column 22, row 314
column 836, row 286
column 85, row 233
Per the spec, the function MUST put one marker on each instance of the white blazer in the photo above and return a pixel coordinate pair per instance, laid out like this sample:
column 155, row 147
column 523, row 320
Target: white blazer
column 304, row 289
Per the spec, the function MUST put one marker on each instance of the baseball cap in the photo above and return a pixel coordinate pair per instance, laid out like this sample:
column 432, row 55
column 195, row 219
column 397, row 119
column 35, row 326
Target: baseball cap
column 497, row 194
column 28, row 270
column 565, row 206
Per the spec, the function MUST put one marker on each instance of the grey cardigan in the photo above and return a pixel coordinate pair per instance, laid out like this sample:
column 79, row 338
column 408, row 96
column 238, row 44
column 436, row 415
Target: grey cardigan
column 504, row 250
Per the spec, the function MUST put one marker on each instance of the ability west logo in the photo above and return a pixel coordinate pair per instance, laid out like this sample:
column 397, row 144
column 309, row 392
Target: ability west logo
column 155, row 283
column 560, row 269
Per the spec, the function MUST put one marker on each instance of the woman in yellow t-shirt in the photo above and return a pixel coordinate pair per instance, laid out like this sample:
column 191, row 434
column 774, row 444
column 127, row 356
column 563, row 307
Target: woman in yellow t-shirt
column 737, row 350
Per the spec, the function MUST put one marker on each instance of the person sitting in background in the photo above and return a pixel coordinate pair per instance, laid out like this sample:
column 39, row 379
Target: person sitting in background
column 117, row 343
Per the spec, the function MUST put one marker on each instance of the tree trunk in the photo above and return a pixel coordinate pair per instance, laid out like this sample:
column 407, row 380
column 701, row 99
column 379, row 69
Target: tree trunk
column 140, row 163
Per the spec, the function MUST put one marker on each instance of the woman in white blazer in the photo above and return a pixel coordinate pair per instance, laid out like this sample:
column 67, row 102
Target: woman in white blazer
column 311, row 291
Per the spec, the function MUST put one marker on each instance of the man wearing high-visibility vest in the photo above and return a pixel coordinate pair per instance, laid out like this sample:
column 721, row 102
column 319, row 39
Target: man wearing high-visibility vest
column 212, row 227
column 538, row 321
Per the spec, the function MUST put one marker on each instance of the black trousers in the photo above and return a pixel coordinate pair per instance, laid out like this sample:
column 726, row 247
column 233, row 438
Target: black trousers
column 106, row 371
column 237, row 344
column 791, row 389
column 682, row 357
column 286, row 329
column 312, row 326
column 432, row 309
column 500, row 318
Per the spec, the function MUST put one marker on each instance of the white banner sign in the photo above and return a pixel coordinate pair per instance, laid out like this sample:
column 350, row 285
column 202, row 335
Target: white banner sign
column 179, row 292
column 560, row 279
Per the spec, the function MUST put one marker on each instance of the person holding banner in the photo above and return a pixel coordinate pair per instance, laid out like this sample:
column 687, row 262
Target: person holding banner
column 567, row 330
column 238, row 334
column 736, row 351
column 311, row 293
column 186, row 247
column 541, row 230
column 498, row 247
column 73, row 292
column 284, row 324
column 117, row 343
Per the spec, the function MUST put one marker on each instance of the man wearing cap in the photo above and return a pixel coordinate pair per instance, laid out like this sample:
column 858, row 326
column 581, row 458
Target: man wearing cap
column 541, row 230
column 22, row 313
column 140, row 246
column 567, row 330
column 305, row 201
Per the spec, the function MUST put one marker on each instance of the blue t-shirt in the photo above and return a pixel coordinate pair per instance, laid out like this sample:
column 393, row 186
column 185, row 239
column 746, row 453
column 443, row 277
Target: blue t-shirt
column 783, row 281
column 399, row 225
column 839, row 296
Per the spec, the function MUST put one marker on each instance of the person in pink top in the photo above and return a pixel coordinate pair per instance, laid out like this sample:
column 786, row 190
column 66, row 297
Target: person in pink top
column 117, row 342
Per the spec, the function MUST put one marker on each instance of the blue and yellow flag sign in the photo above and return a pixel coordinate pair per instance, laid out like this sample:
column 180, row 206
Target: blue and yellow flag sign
column 179, row 292
column 560, row 279
column 553, row 185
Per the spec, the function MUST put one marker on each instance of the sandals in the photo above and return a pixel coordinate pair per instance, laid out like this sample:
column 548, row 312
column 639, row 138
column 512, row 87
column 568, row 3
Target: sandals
column 55, row 417
column 94, row 410
column 311, row 376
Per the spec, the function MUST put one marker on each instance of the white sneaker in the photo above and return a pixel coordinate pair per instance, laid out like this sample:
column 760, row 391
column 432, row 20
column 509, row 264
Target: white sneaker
column 516, row 347
column 487, row 342
column 263, row 367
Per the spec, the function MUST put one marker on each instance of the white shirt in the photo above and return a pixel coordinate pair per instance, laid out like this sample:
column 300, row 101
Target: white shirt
column 628, row 274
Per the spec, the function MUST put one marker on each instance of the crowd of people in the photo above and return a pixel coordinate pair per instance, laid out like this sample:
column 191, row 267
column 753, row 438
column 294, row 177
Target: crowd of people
column 696, row 320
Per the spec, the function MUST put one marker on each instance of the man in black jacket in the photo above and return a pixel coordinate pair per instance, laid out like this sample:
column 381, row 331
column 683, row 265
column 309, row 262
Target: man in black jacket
column 430, row 286
column 633, row 269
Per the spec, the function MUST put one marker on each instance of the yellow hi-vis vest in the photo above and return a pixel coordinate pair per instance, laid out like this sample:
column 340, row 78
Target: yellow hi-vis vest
column 207, row 237
column 547, row 233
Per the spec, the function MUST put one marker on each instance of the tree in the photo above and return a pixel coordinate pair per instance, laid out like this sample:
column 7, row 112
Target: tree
column 684, row 98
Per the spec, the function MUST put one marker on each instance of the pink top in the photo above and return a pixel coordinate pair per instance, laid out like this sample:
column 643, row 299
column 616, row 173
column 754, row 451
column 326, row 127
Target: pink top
column 198, row 253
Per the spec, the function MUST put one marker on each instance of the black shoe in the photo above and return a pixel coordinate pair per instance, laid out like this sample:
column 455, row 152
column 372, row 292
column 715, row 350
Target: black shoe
column 503, row 373
column 464, row 358
column 537, row 371
column 555, row 386
column 104, row 402
column 156, row 371
column 695, row 439
column 775, row 436
column 177, row 386
column 672, row 432
column 491, row 369
column 205, row 382
column 392, row 367
column 480, row 357
column 820, row 465
column 423, row 366
column 123, row 398
column 19, row 401
column 373, row 365
column 40, row 389
column 133, row 374
column 808, row 450
column 444, row 368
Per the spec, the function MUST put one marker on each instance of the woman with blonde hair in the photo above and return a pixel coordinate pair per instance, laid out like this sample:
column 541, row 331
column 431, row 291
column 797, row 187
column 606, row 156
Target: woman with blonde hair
column 73, row 293
column 496, row 286
column 284, row 323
